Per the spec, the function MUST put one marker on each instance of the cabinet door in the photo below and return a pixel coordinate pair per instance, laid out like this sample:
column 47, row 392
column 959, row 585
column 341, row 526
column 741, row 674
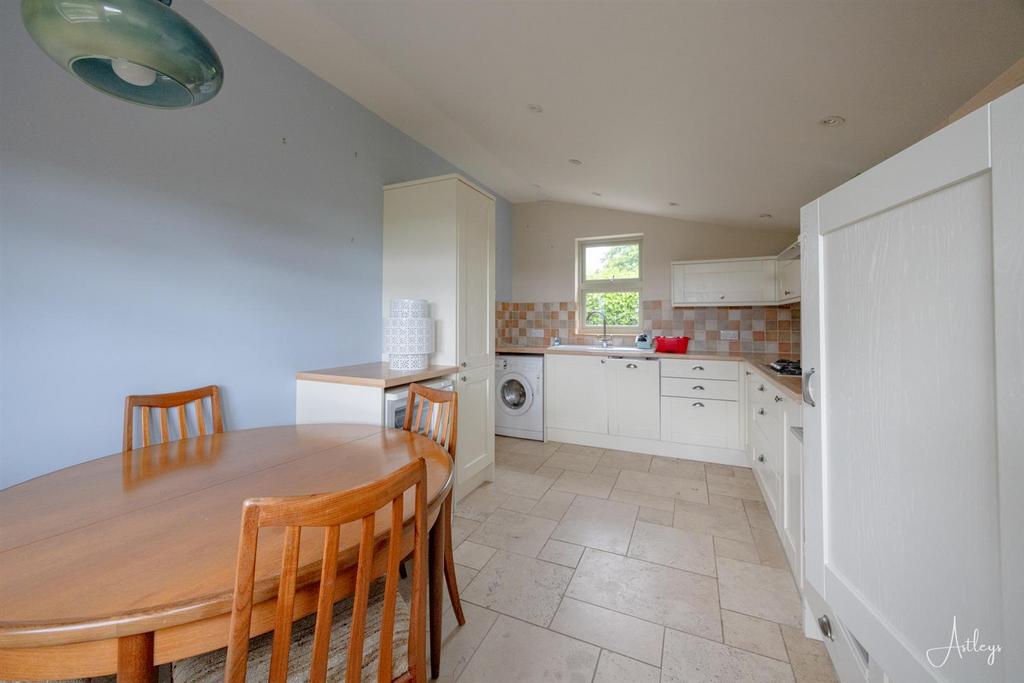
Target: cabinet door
column 702, row 422
column 911, row 462
column 633, row 398
column 791, row 520
column 724, row 282
column 766, row 465
column 475, row 448
column 575, row 393
column 788, row 280
column 475, row 220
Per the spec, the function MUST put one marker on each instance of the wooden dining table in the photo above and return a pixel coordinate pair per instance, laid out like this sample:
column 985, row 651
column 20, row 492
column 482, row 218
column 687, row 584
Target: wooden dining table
column 126, row 562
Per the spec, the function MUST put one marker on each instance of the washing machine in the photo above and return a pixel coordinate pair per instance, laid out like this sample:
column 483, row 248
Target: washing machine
column 519, row 379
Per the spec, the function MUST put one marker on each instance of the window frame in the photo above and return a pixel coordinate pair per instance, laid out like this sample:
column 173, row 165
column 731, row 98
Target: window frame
column 584, row 286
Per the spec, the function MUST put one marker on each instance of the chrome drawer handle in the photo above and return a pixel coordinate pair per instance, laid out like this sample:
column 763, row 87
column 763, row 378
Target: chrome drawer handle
column 631, row 366
column 760, row 458
column 778, row 399
column 760, row 411
column 787, row 292
column 698, row 404
column 698, row 388
column 761, row 388
column 826, row 627
column 463, row 378
column 699, row 367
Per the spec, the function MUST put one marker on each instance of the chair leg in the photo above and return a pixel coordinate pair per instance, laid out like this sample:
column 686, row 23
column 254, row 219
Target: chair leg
column 449, row 562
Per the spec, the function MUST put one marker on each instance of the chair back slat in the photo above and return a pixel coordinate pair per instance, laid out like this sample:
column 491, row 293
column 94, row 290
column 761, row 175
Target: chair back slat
column 163, row 403
column 360, row 600
column 387, row 635
column 285, row 613
column 443, row 430
column 182, row 420
column 331, row 511
column 325, row 604
column 200, row 419
column 146, row 440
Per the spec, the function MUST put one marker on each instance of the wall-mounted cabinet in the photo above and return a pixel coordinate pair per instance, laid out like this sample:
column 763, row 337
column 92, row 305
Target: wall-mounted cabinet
column 760, row 281
column 788, row 281
column 731, row 282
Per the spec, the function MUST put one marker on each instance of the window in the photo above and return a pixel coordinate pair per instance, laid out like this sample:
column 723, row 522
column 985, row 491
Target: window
column 609, row 283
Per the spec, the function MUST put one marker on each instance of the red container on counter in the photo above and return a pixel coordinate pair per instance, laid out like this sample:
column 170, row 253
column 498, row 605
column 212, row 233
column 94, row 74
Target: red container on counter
column 671, row 344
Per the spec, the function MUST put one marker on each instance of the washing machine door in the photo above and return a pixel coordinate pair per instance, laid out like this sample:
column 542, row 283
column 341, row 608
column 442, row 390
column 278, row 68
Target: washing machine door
column 515, row 395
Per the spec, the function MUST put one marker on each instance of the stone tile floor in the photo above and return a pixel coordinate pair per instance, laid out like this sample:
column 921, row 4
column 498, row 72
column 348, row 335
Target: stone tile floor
column 590, row 565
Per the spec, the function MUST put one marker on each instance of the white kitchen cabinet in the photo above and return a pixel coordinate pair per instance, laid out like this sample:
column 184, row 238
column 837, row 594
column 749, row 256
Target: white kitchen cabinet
column 439, row 245
column 791, row 519
column 700, row 369
column 476, row 268
column 912, row 462
column 633, row 399
column 723, row 390
column 731, row 282
column 788, row 281
column 575, row 393
column 474, row 458
column 764, row 429
column 704, row 422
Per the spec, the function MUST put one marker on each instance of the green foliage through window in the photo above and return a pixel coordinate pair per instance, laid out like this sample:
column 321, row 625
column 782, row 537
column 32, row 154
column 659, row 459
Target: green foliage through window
column 613, row 262
column 621, row 308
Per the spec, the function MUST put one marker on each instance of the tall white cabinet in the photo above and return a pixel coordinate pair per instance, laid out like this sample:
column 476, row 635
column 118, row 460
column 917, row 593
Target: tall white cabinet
column 439, row 246
column 913, row 349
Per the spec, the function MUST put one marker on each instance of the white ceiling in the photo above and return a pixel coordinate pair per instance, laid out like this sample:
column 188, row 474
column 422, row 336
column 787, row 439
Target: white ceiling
column 710, row 104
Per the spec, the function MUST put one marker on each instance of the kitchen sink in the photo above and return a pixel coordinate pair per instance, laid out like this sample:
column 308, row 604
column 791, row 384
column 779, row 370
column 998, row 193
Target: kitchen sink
column 601, row 349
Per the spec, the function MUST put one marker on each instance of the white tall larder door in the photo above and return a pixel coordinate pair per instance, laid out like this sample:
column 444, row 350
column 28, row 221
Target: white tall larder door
column 476, row 277
column 911, row 370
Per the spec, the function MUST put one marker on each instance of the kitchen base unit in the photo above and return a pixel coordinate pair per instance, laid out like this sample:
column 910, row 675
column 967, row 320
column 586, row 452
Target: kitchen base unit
column 673, row 407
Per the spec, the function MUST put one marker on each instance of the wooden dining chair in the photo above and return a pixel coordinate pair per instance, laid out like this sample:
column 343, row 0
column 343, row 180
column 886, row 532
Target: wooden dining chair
column 331, row 640
column 442, row 427
column 163, row 403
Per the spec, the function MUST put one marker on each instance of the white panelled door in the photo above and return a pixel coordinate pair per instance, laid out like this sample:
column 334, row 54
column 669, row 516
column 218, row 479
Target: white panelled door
column 904, row 458
column 475, row 221
column 633, row 398
column 575, row 394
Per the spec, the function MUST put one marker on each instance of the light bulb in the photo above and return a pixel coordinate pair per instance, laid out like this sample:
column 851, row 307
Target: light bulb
column 133, row 73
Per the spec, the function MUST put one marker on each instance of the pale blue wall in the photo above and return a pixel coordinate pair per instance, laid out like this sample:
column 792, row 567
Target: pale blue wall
column 147, row 251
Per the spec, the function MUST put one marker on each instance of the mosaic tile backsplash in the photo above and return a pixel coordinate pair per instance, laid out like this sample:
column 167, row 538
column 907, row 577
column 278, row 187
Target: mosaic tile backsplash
column 737, row 329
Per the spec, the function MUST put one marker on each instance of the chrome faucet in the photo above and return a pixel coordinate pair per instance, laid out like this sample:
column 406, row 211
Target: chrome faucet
column 605, row 340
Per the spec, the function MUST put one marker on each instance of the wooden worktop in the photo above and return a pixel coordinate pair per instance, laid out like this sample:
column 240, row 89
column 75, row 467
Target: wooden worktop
column 755, row 362
column 529, row 350
column 375, row 375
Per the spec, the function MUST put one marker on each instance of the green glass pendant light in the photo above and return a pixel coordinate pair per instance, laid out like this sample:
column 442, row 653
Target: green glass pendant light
column 137, row 50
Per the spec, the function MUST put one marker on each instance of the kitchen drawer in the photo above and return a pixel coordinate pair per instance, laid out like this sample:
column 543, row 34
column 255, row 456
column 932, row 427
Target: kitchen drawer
column 703, row 422
column 701, row 369
column 759, row 390
column 768, row 418
column 716, row 389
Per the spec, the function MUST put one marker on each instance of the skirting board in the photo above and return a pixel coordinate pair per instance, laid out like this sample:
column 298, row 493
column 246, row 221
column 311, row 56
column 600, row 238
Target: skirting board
column 535, row 434
column 719, row 456
column 462, row 489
